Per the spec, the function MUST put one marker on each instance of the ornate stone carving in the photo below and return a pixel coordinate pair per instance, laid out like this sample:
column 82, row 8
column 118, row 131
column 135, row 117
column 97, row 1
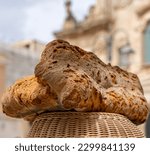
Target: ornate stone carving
column 70, row 21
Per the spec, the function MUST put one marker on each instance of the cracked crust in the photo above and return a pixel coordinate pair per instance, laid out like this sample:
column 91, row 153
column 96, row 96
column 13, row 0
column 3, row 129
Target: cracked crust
column 84, row 83
column 69, row 78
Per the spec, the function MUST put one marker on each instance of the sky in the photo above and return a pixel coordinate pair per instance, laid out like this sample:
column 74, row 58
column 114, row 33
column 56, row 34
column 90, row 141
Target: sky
column 36, row 19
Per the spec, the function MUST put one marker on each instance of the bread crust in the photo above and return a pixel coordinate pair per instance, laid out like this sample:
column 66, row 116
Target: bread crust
column 69, row 78
column 84, row 83
column 27, row 97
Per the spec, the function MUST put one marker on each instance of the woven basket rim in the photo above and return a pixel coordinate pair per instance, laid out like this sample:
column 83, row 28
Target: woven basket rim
column 83, row 124
column 74, row 114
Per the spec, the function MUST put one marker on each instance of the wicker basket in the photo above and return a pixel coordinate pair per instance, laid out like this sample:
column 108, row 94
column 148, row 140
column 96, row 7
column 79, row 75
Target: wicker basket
column 80, row 124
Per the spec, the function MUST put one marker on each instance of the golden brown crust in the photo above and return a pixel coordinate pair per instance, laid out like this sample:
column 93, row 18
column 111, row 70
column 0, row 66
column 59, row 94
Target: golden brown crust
column 26, row 97
column 84, row 83
column 69, row 78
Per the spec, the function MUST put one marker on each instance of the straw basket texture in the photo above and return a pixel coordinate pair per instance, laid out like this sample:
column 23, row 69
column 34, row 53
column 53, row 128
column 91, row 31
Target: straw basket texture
column 83, row 124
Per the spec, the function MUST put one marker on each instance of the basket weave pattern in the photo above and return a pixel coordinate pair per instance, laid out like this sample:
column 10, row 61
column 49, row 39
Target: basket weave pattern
column 80, row 124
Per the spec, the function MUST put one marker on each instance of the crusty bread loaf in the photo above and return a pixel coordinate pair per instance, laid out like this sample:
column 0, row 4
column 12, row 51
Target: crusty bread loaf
column 27, row 97
column 69, row 78
column 84, row 83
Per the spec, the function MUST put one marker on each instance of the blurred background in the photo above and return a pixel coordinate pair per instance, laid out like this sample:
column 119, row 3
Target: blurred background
column 117, row 31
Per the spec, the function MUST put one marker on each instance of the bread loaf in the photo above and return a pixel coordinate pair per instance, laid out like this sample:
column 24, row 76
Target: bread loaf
column 69, row 78
column 28, row 97
column 84, row 83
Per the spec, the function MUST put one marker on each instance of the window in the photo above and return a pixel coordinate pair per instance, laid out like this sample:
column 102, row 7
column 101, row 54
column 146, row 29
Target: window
column 27, row 46
column 124, row 59
column 124, row 53
column 147, row 44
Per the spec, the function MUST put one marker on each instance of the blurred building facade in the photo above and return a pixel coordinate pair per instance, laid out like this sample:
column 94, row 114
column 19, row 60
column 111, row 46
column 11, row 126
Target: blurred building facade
column 118, row 32
column 16, row 61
